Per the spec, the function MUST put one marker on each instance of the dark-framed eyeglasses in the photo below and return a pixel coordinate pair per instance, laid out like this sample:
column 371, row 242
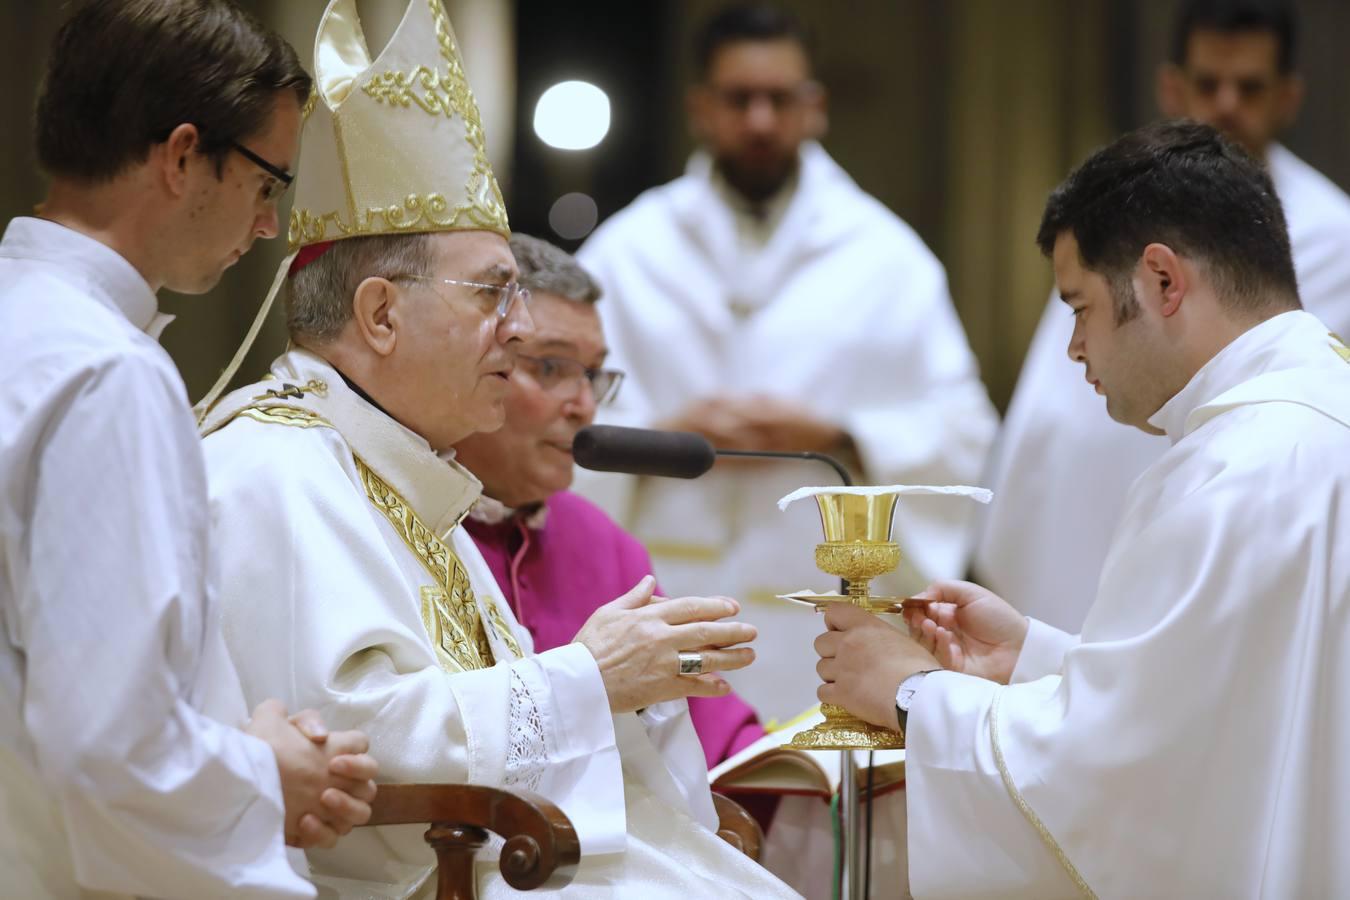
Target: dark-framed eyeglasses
column 564, row 377
column 503, row 295
column 280, row 181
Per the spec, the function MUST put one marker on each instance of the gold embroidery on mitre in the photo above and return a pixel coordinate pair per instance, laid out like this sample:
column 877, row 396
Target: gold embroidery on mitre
column 436, row 94
column 417, row 212
column 449, row 610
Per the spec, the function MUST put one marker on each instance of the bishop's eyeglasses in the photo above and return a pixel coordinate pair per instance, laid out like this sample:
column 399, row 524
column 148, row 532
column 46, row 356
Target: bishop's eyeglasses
column 501, row 296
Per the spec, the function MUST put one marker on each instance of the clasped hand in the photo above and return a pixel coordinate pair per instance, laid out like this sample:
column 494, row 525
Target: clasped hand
column 327, row 779
column 636, row 641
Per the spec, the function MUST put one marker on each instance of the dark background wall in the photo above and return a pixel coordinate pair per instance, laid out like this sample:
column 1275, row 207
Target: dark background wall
column 960, row 115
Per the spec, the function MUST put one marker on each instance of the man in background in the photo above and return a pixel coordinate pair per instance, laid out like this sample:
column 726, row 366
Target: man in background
column 1063, row 467
column 766, row 302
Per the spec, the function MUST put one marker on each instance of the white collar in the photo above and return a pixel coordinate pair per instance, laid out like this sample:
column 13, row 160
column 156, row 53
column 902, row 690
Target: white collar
column 491, row 511
column 105, row 273
column 438, row 489
column 1285, row 341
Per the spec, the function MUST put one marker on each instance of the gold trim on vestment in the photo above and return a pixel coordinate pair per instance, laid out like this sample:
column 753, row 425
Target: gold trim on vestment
column 1339, row 346
column 1027, row 812
column 449, row 609
column 283, row 415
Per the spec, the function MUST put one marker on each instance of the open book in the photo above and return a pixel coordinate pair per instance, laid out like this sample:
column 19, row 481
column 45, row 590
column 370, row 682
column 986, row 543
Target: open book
column 768, row 767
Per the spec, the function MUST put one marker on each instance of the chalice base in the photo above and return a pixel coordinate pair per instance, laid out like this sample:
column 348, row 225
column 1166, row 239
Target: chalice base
column 842, row 730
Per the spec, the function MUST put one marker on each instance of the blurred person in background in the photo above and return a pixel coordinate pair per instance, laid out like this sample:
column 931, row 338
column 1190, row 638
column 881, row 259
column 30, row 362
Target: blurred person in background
column 556, row 556
column 765, row 301
column 1062, row 466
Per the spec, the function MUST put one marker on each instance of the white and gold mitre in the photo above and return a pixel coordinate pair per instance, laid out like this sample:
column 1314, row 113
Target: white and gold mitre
column 390, row 146
column 394, row 145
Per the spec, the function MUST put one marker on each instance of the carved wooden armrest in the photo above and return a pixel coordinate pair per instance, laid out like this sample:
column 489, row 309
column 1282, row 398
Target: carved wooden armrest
column 541, row 846
column 737, row 827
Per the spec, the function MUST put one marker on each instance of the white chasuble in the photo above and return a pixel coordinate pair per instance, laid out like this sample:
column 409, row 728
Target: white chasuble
column 1193, row 742
column 837, row 306
column 349, row 587
column 1062, row 465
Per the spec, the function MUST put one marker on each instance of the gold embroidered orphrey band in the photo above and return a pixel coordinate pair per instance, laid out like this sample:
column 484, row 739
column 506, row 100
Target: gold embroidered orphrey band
column 1027, row 812
column 449, row 609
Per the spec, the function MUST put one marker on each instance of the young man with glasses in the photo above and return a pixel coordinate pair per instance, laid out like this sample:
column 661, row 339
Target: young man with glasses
column 127, row 761
column 556, row 556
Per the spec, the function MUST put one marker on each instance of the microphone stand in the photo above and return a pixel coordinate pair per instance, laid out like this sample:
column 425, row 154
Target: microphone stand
column 856, row 871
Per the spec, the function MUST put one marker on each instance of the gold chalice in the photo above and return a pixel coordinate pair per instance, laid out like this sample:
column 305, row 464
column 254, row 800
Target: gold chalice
column 857, row 548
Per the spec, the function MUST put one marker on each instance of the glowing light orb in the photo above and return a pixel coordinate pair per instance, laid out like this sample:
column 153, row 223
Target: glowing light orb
column 572, row 115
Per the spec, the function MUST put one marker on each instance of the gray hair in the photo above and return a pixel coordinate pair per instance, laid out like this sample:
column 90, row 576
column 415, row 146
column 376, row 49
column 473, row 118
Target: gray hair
column 319, row 296
column 546, row 269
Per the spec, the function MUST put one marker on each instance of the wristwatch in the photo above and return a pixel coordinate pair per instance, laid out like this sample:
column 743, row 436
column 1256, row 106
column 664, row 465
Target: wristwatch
column 904, row 697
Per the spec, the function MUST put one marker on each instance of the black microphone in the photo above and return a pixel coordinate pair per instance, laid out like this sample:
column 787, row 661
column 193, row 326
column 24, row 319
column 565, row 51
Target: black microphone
column 668, row 454
column 642, row 451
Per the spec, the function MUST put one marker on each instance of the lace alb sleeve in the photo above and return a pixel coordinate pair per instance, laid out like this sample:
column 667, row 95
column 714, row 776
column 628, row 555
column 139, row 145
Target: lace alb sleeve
column 527, row 752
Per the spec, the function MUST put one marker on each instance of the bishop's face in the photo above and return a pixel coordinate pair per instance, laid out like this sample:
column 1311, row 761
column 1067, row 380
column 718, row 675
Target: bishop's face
column 1126, row 362
column 455, row 353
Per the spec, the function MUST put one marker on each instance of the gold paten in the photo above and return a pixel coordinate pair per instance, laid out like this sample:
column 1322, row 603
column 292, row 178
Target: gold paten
column 857, row 548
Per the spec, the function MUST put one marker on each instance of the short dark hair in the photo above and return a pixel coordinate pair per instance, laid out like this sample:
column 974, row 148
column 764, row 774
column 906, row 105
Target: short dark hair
column 122, row 74
column 1182, row 184
column 545, row 268
column 1229, row 16
column 748, row 22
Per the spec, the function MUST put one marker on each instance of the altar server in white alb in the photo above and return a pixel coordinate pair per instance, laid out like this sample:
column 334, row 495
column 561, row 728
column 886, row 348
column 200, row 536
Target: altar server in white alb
column 767, row 302
column 1192, row 741
column 128, row 762
column 349, row 581
column 1062, row 466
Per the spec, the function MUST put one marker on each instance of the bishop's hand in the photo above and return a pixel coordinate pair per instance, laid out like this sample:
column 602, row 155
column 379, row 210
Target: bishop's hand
column 636, row 641
column 969, row 629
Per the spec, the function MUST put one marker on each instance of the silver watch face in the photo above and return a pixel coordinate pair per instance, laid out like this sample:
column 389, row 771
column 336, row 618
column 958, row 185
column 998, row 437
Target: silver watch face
column 904, row 696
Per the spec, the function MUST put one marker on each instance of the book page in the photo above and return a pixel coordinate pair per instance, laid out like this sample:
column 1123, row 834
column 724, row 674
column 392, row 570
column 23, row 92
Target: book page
column 768, row 766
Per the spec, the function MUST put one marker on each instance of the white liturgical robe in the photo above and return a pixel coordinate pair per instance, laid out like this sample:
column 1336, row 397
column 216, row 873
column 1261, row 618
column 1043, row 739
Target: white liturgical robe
column 831, row 302
column 1193, row 743
column 350, row 588
column 1062, row 465
column 122, row 769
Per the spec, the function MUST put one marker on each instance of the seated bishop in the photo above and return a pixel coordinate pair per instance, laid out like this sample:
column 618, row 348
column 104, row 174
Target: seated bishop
column 348, row 584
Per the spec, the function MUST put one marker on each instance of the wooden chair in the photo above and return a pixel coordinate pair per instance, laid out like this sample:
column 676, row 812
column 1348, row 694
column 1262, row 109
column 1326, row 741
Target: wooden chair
column 737, row 827
column 541, row 847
